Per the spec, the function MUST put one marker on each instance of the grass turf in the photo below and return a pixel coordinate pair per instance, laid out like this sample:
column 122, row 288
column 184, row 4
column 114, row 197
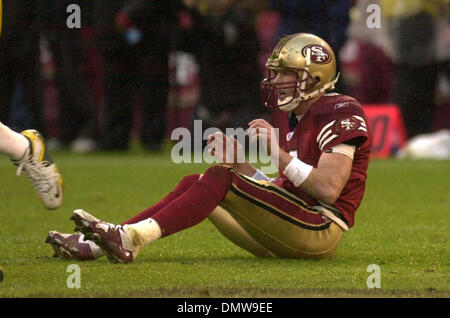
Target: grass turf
column 402, row 226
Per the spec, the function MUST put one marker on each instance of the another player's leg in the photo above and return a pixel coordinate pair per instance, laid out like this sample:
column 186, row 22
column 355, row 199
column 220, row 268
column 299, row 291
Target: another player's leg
column 12, row 143
column 123, row 243
column 27, row 151
column 72, row 247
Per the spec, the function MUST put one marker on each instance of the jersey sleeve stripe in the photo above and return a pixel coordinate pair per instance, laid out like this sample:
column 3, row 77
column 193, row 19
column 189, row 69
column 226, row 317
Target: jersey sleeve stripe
column 325, row 135
column 362, row 128
column 327, row 141
column 362, row 121
column 323, row 129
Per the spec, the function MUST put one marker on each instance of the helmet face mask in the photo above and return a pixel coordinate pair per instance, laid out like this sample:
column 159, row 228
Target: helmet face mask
column 285, row 95
column 312, row 62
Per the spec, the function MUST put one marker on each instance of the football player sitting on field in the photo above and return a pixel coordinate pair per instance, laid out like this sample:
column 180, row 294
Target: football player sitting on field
column 322, row 156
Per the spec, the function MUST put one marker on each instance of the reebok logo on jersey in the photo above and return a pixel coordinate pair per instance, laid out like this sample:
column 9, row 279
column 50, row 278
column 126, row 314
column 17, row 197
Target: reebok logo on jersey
column 341, row 105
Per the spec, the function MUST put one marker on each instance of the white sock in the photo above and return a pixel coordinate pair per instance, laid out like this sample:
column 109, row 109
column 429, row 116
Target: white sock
column 143, row 233
column 12, row 143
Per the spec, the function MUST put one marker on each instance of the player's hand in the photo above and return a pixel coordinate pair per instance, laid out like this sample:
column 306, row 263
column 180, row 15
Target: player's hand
column 226, row 149
column 261, row 129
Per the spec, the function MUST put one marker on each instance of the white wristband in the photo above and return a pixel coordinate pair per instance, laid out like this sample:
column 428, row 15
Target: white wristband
column 297, row 171
column 260, row 176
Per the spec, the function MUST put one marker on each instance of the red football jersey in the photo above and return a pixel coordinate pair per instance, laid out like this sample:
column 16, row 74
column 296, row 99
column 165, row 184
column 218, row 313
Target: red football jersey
column 334, row 119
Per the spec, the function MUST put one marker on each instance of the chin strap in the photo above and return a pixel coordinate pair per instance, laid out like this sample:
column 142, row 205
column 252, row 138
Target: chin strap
column 329, row 85
column 306, row 71
column 302, row 96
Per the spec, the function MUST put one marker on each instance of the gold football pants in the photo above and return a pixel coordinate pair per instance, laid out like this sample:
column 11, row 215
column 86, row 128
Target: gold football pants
column 268, row 221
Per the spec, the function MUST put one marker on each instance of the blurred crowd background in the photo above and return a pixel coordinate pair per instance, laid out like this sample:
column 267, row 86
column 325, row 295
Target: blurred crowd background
column 137, row 69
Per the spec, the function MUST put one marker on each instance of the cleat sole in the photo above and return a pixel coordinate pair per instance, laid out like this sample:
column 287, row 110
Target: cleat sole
column 54, row 244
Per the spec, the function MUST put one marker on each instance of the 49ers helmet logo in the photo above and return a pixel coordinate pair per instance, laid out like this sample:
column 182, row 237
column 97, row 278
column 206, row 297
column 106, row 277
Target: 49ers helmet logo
column 319, row 54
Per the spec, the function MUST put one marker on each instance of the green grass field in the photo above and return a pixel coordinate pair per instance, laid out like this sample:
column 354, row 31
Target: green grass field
column 402, row 226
